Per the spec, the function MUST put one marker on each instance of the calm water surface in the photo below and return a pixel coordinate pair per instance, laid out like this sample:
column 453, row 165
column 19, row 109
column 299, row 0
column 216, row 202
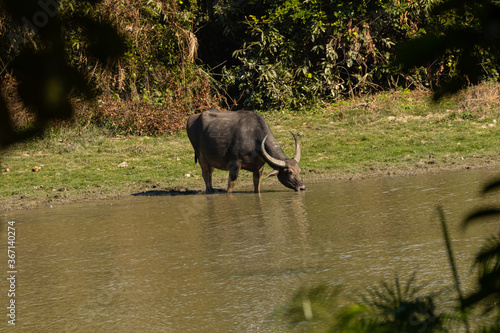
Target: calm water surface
column 219, row 263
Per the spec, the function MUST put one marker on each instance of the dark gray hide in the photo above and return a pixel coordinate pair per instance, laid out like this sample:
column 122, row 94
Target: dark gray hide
column 234, row 140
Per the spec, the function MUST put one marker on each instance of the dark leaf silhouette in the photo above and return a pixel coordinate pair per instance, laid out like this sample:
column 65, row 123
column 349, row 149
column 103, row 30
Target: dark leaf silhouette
column 481, row 214
column 46, row 81
column 487, row 259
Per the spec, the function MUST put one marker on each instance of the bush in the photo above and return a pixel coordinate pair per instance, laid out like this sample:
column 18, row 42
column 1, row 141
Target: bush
column 294, row 53
column 156, row 82
column 144, row 87
column 154, row 115
column 298, row 53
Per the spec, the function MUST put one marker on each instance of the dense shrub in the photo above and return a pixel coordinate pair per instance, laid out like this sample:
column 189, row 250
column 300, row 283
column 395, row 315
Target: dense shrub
column 301, row 52
column 33, row 52
column 294, row 53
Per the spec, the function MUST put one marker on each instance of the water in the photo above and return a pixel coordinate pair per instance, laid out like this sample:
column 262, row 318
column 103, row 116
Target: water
column 220, row 263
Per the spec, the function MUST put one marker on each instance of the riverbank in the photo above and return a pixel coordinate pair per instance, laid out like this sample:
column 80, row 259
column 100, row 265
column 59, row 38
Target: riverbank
column 393, row 133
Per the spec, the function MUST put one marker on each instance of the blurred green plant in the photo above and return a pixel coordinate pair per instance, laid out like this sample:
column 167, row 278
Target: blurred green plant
column 310, row 309
column 394, row 307
column 397, row 308
column 387, row 307
column 488, row 258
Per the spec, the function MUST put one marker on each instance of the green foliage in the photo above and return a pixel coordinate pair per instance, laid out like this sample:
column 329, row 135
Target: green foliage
column 310, row 308
column 160, row 47
column 291, row 53
column 285, row 54
column 154, row 114
column 301, row 52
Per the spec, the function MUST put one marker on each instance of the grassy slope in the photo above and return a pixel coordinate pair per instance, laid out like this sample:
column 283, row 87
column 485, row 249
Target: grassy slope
column 391, row 133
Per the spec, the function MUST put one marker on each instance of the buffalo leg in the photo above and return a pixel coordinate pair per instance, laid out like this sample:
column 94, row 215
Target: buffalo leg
column 207, row 177
column 256, row 180
column 206, row 171
column 234, row 170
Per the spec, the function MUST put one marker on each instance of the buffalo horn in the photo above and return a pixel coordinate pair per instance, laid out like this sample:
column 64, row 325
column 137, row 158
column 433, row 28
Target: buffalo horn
column 271, row 160
column 297, row 149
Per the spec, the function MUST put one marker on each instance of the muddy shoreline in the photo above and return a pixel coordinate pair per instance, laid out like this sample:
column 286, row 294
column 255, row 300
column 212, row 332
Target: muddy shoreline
column 16, row 203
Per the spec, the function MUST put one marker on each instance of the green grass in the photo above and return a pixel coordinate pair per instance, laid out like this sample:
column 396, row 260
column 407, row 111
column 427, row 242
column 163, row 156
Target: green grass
column 395, row 133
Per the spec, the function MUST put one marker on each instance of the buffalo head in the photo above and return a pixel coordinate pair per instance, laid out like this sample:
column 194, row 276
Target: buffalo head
column 288, row 170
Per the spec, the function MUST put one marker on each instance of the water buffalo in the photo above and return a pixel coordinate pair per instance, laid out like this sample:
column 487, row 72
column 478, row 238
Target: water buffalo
column 234, row 140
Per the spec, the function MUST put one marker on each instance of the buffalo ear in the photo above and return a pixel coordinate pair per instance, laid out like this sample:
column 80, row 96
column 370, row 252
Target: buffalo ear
column 272, row 173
